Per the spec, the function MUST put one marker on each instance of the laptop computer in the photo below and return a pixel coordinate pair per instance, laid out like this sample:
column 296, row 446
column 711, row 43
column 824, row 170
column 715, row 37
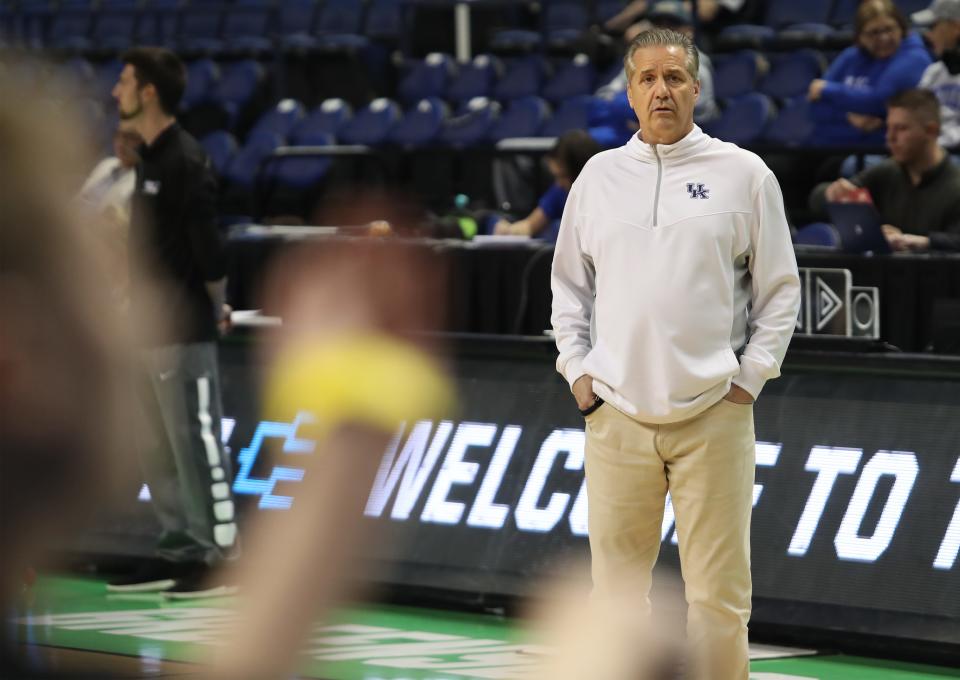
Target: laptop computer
column 860, row 227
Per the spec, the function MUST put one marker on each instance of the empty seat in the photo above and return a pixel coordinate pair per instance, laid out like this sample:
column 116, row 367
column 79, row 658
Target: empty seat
column 159, row 24
column 302, row 172
column 522, row 77
column 384, row 21
column 70, row 26
column 281, row 119
column 327, row 119
column 114, row 26
column 523, row 118
column 572, row 114
column 339, row 26
column 239, row 84
column 564, row 23
column 371, row 125
column 247, row 27
column 743, row 120
column 790, row 74
column 573, row 78
column 471, row 126
column 421, row 124
column 427, row 78
column 199, row 30
column 735, row 74
column 295, row 19
column 221, row 147
column 202, row 78
column 818, row 234
column 476, row 79
column 792, row 125
column 245, row 169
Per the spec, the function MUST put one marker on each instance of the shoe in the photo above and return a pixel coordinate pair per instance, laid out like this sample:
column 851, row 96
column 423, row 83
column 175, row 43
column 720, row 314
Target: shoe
column 152, row 576
column 199, row 584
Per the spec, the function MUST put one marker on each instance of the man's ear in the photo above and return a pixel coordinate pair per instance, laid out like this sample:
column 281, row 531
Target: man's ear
column 696, row 89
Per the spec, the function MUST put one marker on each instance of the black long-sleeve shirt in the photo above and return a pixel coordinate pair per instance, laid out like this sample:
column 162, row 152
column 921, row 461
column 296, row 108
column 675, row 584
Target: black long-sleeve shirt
column 931, row 208
column 174, row 232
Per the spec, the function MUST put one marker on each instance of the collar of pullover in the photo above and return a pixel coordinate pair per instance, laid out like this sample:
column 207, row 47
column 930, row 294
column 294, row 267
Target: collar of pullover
column 693, row 142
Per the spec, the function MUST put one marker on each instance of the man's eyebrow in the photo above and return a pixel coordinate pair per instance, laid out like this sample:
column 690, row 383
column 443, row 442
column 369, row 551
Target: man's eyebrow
column 669, row 69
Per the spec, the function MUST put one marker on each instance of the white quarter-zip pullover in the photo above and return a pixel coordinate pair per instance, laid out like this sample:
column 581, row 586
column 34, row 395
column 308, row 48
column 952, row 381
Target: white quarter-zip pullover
column 680, row 256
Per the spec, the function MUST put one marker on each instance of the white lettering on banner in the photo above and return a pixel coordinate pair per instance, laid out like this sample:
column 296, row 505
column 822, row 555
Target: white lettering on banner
column 947, row 555
column 415, row 469
column 767, row 456
column 485, row 513
column 456, row 471
column 529, row 516
column 850, row 545
column 828, row 462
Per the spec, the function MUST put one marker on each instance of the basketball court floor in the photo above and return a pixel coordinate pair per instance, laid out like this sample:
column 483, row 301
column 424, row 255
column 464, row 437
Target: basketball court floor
column 72, row 624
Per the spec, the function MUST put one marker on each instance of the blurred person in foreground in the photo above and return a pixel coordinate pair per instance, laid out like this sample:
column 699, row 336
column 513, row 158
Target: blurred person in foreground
column 564, row 162
column 64, row 358
column 675, row 295
column 916, row 190
column 886, row 58
column 175, row 241
column 350, row 363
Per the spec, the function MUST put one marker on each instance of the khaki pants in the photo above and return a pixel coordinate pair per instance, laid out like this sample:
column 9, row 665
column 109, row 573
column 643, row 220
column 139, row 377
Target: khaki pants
column 707, row 465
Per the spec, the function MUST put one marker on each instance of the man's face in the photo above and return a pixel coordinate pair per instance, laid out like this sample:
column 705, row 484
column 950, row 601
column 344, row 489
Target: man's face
column 127, row 94
column 662, row 93
column 908, row 137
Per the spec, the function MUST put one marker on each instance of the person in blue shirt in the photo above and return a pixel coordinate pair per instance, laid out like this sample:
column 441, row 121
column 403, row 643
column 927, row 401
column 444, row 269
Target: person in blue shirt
column 565, row 161
column 849, row 102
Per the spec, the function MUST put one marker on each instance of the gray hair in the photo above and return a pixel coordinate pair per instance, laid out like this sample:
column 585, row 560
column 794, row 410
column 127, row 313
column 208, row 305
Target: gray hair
column 663, row 37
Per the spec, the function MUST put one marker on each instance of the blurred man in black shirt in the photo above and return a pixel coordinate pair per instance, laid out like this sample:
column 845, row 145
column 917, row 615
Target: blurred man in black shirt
column 176, row 246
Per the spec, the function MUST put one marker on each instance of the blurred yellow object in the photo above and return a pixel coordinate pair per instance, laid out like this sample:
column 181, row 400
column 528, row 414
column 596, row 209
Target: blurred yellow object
column 361, row 379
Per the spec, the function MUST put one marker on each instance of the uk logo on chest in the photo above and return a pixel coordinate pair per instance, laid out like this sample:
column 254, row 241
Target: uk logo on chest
column 697, row 190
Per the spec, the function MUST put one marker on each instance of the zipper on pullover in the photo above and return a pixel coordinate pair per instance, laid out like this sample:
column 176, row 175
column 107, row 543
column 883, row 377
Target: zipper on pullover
column 656, row 196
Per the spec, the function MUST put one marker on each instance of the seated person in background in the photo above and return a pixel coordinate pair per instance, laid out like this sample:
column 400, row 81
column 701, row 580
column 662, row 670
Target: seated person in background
column 612, row 120
column 942, row 19
column 885, row 59
column 565, row 161
column 943, row 79
column 107, row 191
column 917, row 190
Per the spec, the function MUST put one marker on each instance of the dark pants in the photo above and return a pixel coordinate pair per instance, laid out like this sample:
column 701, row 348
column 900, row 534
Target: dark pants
column 184, row 464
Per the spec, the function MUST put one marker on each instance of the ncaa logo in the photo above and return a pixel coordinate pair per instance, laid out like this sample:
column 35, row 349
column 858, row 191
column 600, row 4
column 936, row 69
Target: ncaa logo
column 697, row 190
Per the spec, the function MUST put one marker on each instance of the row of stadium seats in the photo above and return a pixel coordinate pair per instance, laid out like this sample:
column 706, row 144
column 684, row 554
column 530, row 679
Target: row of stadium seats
column 200, row 26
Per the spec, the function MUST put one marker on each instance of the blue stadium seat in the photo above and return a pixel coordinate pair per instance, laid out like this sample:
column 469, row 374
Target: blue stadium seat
column 114, row 25
column 295, row 19
column 199, row 30
column 326, row 119
column 281, row 119
column 522, row 77
column 70, row 26
column 421, row 124
column 564, row 23
column 302, row 172
column 786, row 20
column 476, row 79
column 221, row 147
column 790, row 74
column 575, row 77
column 159, row 24
column 384, row 22
column 247, row 27
column 339, row 26
column 471, row 126
column 792, row 126
column 239, row 83
column 818, row 234
column 372, row 124
column 32, row 21
column 573, row 114
column 735, row 74
column 743, row 120
column 245, row 169
column 202, row 78
column 523, row 118
column 843, row 13
column 427, row 78
column 605, row 10
column 854, row 163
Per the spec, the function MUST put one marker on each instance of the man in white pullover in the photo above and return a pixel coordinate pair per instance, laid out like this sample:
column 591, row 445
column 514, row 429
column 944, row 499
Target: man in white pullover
column 675, row 294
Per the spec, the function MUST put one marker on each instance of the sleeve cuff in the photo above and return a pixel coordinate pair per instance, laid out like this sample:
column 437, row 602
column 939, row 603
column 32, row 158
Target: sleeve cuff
column 752, row 376
column 573, row 369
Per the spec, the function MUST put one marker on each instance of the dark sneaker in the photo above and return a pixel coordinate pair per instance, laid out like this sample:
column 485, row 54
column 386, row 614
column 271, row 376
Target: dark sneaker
column 200, row 583
column 152, row 576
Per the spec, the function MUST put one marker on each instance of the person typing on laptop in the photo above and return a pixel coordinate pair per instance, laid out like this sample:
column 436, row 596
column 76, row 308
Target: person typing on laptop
column 916, row 190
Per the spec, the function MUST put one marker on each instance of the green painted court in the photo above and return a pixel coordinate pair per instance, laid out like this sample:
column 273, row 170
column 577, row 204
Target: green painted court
column 364, row 643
